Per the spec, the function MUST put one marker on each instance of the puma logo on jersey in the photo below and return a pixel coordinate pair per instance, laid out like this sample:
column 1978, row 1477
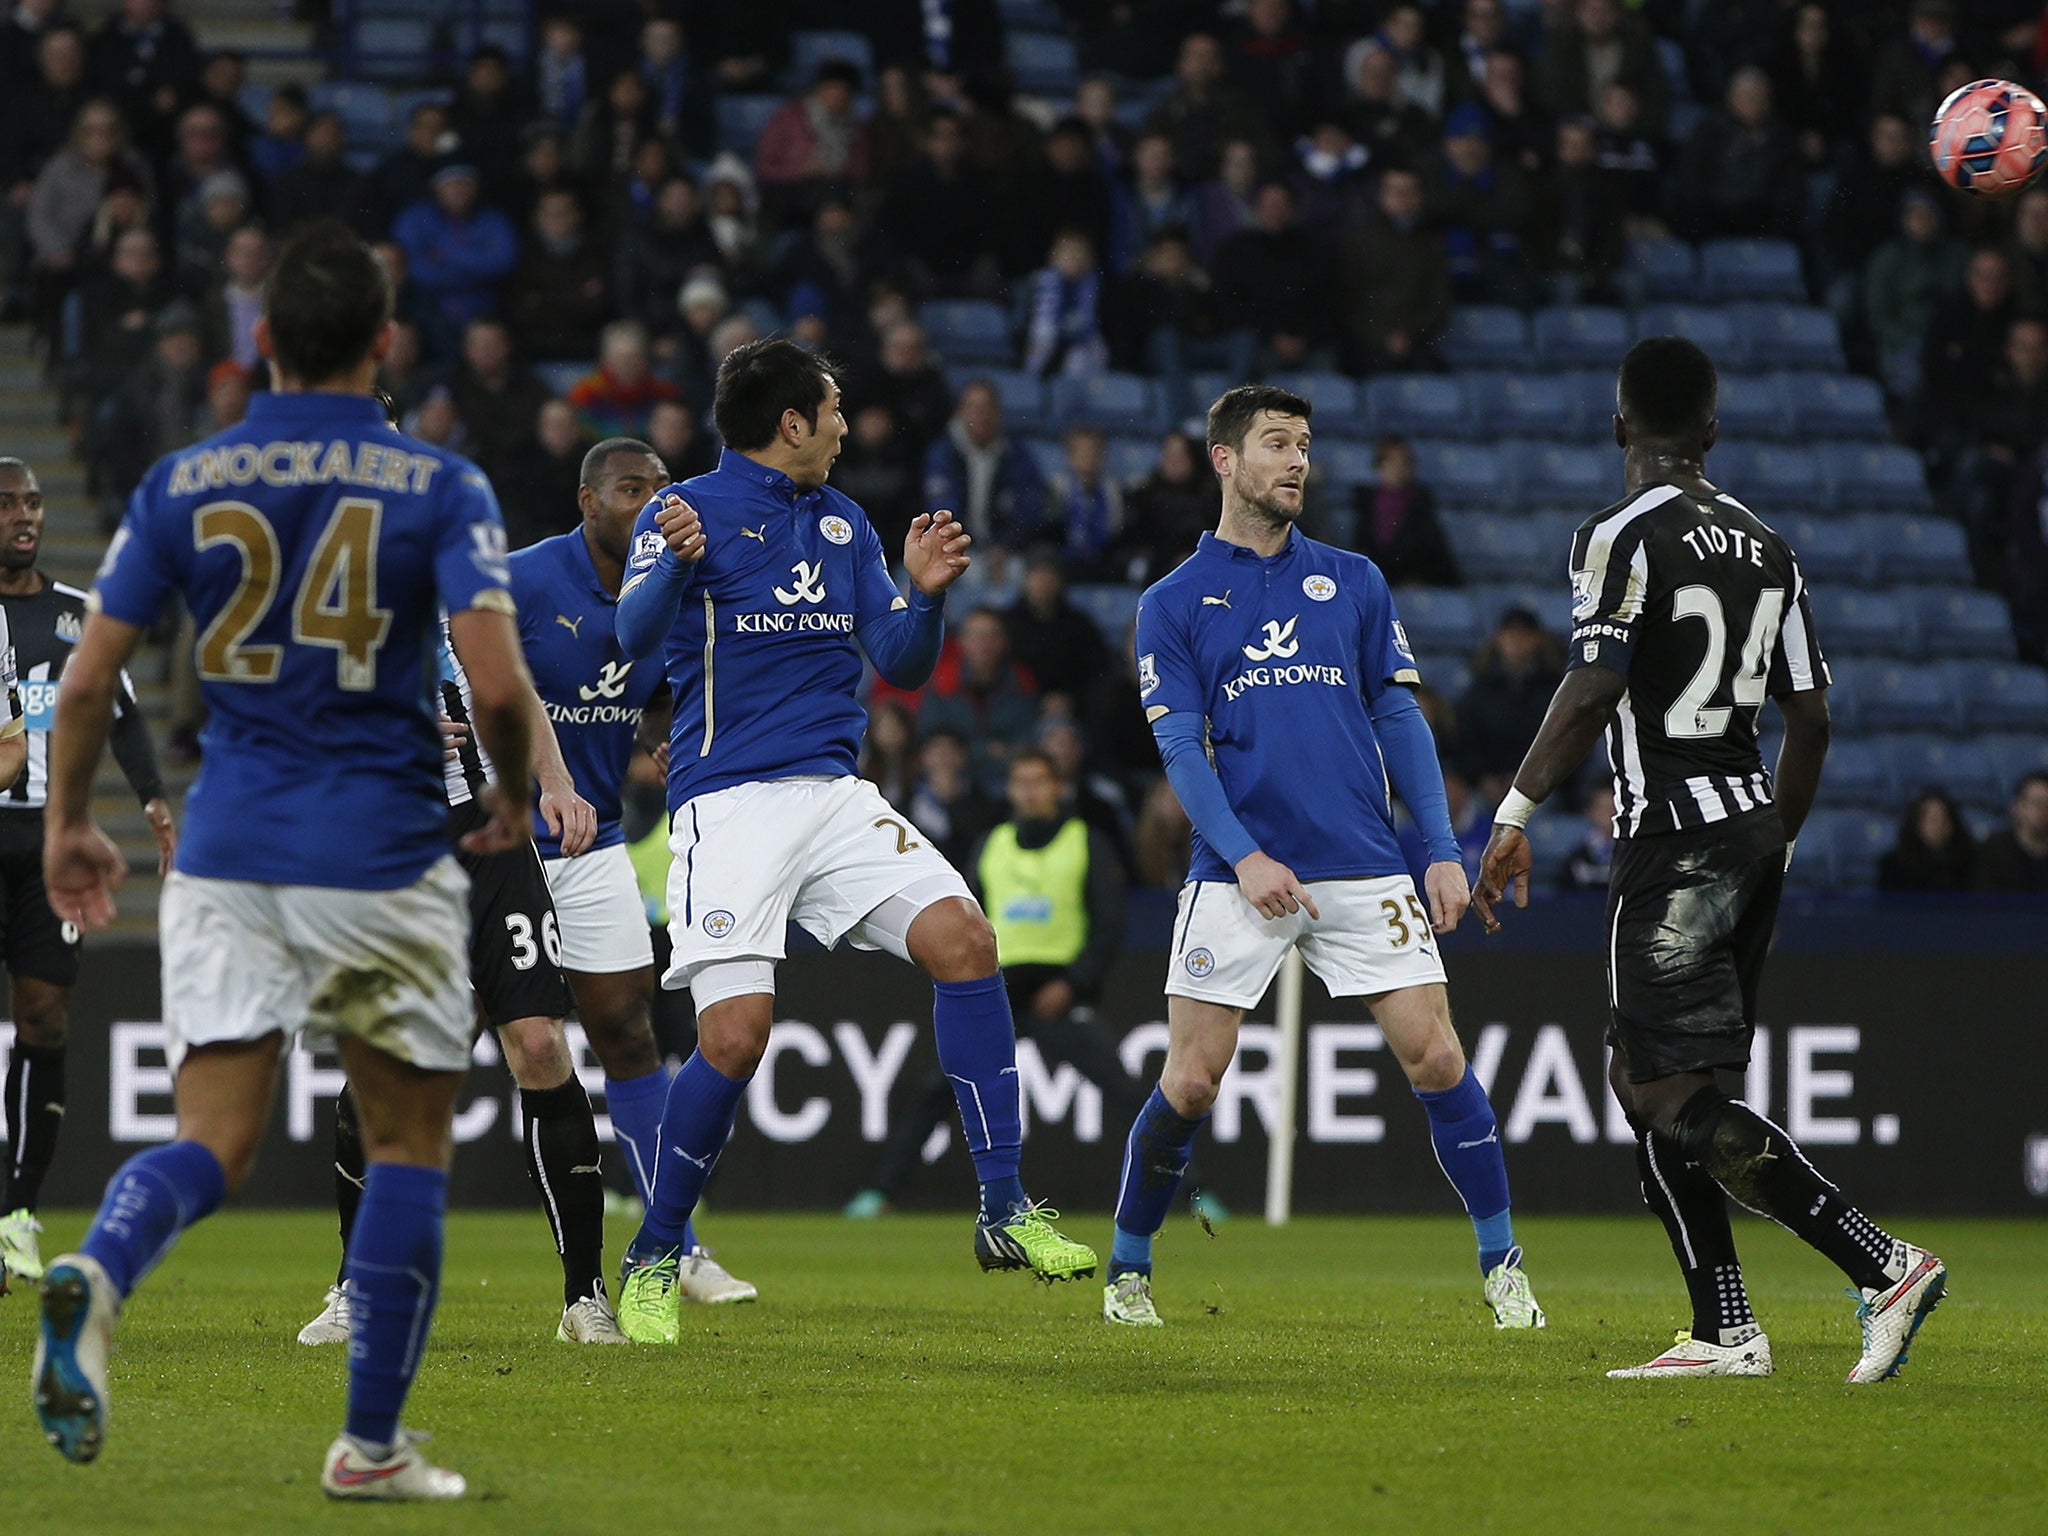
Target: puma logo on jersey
column 1280, row 642
column 1217, row 602
column 758, row 535
column 809, row 586
column 611, row 682
column 571, row 625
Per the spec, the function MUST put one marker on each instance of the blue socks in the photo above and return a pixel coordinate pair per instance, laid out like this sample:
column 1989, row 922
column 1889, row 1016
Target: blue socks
column 635, row 1106
column 155, row 1196
column 702, row 1102
column 977, row 1043
column 394, row 1276
column 1155, row 1159
column 1467, row 1140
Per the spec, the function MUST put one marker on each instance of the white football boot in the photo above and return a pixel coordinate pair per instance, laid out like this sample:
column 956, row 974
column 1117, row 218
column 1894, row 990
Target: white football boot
column 591, row 1320
column 704, row 1279
column 69, row 1377
column 350, row 1472
column 1689, row 1356
column 1892, row 1316
column 1128, row 1300
column 332, row 1325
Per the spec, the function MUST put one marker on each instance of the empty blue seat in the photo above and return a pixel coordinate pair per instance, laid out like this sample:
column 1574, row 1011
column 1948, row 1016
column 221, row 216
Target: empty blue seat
column 1049, row 454
column 1043, row 62
column 1752, row 408
column 1446, row 671
column 741, row 119
column 1206, row 385
column 1022, row 394
column 964, row 330
column 2013, row 757
column 1769, row 478
column 2001, row 695
column 1931, row 551
column 1580, row 335
column 1116, row 402
column 364, row 109
column 1857, row 774
column 1335, row 398
column 394, row 47
column 1127, row 460
column 1567, row 475
column 1860, row 839
column 1964, row 622
column 1590, row 392
column 1111, row 606
column 807, row 50
column 1896, row 696
column 1552, row 842
column 1497, row 546
column 1439, row 618
column 1418, row 404
column 1841, row 405
column 1831, row 550
column 1711, row 328
column 1788, row 336
column 1519, row 405
column 1550, row 601
column 1752, row 269
column 1813, row 867
column 1869, row 477
column 1463, row 474
column 1922, row 761
column 1486, row 336
column 1340, row 464
column 1858, row 621
column 1668, row 269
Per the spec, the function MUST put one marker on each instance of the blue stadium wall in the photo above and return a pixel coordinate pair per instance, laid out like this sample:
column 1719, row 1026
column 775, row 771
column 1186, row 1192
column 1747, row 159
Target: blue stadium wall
column 1906, row 1047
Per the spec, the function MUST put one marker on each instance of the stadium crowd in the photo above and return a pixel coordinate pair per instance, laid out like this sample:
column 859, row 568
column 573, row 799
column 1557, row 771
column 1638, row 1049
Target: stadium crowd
column 1244, row 189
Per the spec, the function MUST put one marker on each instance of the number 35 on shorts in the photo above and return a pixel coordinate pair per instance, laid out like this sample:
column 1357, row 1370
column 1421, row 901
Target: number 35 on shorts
column 525, row 953
column 1405, row 924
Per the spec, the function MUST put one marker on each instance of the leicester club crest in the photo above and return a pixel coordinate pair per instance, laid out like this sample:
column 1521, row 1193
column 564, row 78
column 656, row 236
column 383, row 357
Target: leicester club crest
column 718, row 924
column 836, row 528
column 1320, row 588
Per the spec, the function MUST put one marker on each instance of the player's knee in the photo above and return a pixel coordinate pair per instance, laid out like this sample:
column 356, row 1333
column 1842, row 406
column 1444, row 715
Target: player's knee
column 963, row 946
column 536, row 1053
column 41, row 1022
column 1190, row 1086
column 1440, row 1066
column 623, row 1041
column 733, row 1034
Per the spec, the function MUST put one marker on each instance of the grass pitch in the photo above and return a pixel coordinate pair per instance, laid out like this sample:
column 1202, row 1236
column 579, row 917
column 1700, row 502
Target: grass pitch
column 1337, row 1375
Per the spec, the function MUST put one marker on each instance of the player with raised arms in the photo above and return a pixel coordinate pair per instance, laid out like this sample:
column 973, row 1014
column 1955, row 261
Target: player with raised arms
column 1688, row 613
column 313, row 888
column 1281, row 690
column 761, row 587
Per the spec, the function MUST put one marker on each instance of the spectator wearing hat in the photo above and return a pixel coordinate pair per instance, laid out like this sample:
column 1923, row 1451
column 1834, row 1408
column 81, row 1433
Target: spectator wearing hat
column 1397, row 521
column 1514, row 674
column 559, row 295
column 614, row 399
column 815, row 146
column 1482, row 207
column 701, row 305
column 458, row 250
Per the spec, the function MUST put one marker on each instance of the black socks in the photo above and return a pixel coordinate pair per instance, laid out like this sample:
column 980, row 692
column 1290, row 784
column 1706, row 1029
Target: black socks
column 1695, row 1217
column 35, row 1110
column 565, row 1162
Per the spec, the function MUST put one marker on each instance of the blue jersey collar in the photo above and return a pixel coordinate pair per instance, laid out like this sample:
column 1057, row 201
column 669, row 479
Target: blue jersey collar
column 755, row 473
column 586, row 568
column 323, row 404
column 1222, row 549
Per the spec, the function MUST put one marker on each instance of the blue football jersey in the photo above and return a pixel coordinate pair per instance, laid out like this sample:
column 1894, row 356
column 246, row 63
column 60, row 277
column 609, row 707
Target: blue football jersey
column 314, row 545
column 1283, row 657
column 592, row 689
column 762, row 656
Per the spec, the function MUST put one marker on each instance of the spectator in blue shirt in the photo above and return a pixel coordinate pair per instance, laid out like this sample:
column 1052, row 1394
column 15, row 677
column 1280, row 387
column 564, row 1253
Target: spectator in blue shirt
column 457, row 251
column 985, row 479
column 1063, row 334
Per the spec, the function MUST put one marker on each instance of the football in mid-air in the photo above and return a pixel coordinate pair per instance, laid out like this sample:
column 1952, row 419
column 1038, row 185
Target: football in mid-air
column 1990, row 138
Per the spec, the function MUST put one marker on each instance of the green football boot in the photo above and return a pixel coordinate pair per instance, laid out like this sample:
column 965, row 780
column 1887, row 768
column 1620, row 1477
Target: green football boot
column 1025, row 1239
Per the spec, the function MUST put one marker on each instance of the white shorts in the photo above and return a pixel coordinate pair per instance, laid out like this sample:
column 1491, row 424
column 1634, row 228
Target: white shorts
column 829, row 854
column 599, row 911
column 1373, row 937
column 243, row 959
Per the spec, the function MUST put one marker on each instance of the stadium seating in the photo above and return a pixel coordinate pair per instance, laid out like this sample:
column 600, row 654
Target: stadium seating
column 1713, row 329
column 1565, row 474
column 810, row 49
column 1856, row 774
column 1666, row 268
column 1519, row 405
column 741, row 119
column 1956, row 622
column 1439, row 618
column 1919, row 762
column 1874, row 477
column 1334, row 396
column 1464, row 474
column 967, row 330
column 1339, row 465
column 1896, row 696
column 2014, row 756
column 1930, row 551
column 1111, row 607
column 1116, row 402
column 1580, row 335
column 1831, row 550
column 1788, row 336
column 1486, row 336
column 1840, row 405
column 1022, row 394
column 2001, row 695
column 1418, row 404
column 1495, row 547
column 1752, row 407
column 1752, row 269
column 1044, row 63
column 1852, row 621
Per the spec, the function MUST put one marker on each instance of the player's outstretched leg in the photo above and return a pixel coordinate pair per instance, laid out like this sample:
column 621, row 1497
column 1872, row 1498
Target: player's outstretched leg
column 1156, row 1155
column 35, row 1111
column 952, row 943
column 703, row 1099
column 1758, row 1164
column 154, row 1197
column 330, row 1324
column 1466, row 1135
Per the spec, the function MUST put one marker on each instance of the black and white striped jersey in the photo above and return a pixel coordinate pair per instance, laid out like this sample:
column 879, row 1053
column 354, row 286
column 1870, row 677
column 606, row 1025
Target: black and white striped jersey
column 45, row 627
column 1702, row 608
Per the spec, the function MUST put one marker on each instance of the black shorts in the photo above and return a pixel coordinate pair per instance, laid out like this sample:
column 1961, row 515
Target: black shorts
column 1689, row 919
column 515, row 949
column 34, row 941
